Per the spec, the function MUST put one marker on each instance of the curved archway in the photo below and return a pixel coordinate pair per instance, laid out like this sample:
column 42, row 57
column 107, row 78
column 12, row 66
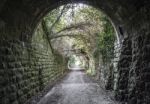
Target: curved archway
column 19, row 18
column 27, row 14
column 118, row 31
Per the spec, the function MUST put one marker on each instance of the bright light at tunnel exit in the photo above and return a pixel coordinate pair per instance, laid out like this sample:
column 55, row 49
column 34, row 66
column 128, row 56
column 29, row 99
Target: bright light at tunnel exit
column 76, row 64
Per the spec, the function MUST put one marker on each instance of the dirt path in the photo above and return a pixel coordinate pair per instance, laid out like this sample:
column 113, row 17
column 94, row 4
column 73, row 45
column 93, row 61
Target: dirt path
column 77, row 88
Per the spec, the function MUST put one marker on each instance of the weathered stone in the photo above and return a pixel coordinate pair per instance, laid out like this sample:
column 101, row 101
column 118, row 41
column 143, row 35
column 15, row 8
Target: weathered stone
column 24, row 75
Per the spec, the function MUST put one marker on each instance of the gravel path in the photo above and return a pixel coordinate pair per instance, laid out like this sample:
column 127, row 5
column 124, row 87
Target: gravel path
column 77, row 88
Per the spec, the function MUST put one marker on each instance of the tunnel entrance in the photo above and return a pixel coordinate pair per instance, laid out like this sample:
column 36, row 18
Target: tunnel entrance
column 85, row 37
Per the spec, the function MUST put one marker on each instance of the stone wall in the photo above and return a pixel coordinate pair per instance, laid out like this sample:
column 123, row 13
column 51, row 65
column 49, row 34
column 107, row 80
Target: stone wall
column 107, row 73
column 123, row 70
column 26, row 68
column 133, row 84
column 112, row 73
column 139, row 75
column 117, row 52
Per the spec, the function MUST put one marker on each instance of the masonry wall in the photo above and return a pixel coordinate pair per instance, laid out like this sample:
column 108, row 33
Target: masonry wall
column 123, row 70
column 134, row 82
column 26, row 68
column 117, row 52
column 139, row 82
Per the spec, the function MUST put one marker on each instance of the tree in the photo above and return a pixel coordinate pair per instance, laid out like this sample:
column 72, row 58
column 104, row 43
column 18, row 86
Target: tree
column 85, row 27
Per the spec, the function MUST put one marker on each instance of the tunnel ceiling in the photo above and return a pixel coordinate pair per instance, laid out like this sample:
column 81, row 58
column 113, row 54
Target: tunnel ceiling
column 22, row 16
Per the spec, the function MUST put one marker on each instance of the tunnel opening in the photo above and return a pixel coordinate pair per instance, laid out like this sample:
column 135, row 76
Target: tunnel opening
column 76, row 21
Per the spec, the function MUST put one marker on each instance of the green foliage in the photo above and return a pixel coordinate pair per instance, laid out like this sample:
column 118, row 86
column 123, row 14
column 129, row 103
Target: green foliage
column 106, row 41
column 72, row 60
column 105, row 34
column 95, row 40
column 54, row 20
column 89, row 13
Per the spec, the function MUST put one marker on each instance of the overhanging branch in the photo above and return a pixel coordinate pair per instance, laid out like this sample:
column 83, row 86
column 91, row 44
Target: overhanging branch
column 47, row 34
column 58, row 18
column 75, row 26
column 65, row 35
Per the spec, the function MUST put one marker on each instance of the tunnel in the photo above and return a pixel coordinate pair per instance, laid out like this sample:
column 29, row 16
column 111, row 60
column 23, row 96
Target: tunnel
column 24, row 70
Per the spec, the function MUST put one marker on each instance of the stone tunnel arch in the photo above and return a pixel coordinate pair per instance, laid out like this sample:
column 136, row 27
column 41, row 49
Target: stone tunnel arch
column 116, row 22
column 19, row 18
column 26, row 17
column 118, row 37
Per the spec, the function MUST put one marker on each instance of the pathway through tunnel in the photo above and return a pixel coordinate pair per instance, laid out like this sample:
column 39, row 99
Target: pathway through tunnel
column 77, row 88
column 82, row 39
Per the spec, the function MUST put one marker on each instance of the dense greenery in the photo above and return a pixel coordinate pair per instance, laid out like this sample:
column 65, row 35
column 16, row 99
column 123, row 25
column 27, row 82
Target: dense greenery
column 105, row 35
column 80, row 27
column 106, row 41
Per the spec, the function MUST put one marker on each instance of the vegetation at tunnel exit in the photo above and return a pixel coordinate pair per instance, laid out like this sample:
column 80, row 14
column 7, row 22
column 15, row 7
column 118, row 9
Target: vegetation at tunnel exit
column 79, row 27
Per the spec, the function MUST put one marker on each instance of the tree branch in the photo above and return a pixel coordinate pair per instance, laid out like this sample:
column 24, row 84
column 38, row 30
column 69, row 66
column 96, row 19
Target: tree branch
column 57, row 20
column 47, row 34
column 46, row 30
column 65, row 35
column 75, row 26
